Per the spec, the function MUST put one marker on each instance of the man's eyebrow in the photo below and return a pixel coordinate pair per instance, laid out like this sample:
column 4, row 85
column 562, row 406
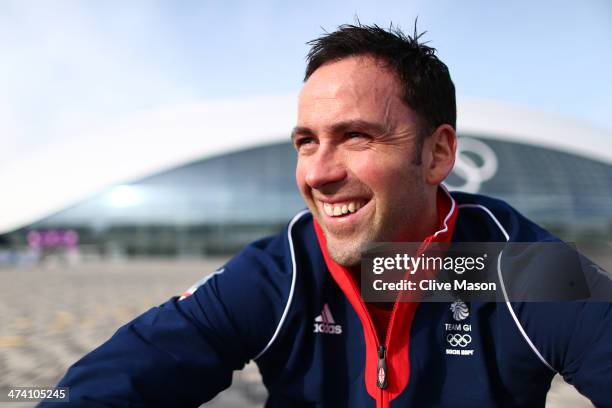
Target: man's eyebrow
column 342, row 127
column 358, row 125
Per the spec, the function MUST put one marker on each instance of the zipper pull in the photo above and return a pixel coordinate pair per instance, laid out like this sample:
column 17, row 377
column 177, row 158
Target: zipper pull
column 381, row 377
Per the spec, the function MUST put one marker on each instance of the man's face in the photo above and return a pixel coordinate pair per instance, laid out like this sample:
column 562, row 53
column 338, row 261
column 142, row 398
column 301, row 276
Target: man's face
column 356, row 143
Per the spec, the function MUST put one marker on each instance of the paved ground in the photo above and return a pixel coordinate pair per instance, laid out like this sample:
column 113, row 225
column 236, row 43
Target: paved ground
column 52, row 315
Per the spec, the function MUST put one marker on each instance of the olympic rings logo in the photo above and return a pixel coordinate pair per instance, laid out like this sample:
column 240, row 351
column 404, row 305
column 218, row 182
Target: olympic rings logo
column 460, row 340
column 475, row 163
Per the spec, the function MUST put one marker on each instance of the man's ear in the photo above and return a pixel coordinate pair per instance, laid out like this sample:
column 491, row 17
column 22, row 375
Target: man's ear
column 439, row 151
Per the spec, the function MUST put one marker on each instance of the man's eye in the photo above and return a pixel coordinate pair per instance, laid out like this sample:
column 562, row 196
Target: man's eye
column 303, row 141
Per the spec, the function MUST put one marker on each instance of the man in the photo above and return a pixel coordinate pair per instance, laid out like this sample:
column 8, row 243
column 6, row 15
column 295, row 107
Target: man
column 375, row 137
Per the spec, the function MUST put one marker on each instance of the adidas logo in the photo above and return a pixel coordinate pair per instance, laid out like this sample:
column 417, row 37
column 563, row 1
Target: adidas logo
column 324, row 323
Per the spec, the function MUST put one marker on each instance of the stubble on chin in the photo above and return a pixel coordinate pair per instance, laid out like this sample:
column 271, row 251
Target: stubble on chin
column 346, row 248
column 346, row 252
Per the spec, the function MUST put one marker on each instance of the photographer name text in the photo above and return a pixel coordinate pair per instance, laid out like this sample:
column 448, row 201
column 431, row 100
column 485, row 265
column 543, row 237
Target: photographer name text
column 430, row 285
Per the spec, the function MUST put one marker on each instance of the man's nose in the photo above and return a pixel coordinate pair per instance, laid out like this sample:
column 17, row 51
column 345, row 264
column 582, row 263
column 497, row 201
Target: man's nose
column 325, row 167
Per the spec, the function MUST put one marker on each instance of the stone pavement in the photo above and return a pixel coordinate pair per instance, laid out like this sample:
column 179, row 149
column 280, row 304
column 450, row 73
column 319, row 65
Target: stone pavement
column 51, row 315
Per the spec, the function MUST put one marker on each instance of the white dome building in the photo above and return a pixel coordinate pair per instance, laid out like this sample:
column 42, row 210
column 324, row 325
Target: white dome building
column 208, row 178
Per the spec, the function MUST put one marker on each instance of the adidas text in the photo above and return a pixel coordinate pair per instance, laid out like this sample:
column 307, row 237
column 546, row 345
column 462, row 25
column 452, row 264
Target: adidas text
column 327, row 328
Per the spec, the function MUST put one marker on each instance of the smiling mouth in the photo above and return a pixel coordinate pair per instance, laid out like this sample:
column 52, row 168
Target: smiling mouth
column 342, row 208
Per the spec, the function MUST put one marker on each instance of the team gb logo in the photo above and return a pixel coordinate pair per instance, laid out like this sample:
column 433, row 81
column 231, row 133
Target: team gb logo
column 460, row 310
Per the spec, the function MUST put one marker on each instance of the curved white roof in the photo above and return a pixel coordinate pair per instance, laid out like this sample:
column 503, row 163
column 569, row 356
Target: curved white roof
column 495, row 120
column 39, row 184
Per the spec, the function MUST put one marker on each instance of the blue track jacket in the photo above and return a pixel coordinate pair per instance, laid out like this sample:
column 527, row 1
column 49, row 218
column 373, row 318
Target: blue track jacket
column 278, row 303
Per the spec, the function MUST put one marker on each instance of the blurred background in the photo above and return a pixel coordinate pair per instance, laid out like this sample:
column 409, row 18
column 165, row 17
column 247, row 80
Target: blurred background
column 142, row 144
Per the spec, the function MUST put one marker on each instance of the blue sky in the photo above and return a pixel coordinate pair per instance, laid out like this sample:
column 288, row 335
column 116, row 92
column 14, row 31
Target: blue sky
column 70, row 66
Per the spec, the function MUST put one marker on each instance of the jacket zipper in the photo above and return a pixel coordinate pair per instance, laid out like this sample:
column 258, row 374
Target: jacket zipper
column 381, row 348
column 383, row 351
column 382, row 372
column 382, row 368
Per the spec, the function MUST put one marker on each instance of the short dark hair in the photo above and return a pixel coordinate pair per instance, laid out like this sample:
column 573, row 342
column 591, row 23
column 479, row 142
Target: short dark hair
column 428, row 88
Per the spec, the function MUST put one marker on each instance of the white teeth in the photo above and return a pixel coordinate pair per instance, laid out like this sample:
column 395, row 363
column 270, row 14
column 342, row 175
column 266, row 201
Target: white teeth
column 329, row 210
column 335, row 210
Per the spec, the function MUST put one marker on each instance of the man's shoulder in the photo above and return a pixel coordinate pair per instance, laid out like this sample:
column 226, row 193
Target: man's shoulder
column 493, row 204
column 251, row 293
column 498, row 219
column 278, row 252
column 282, row 243
column 267, row 262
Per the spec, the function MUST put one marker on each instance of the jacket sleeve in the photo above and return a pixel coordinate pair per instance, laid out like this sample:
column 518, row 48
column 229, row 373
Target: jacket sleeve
column 183, row 352
column 584, row 343
column 588, row 362
column 575, row 339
